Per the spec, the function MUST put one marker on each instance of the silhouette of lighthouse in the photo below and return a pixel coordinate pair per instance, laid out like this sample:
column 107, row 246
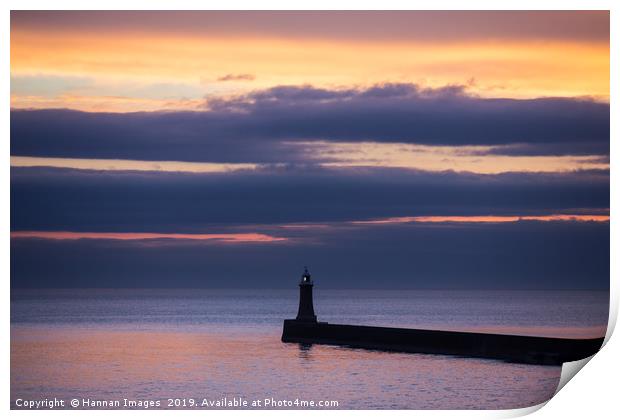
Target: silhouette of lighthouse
column 306, row 308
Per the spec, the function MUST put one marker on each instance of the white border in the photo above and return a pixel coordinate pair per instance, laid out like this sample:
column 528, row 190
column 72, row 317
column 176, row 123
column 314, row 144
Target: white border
column 592, row 395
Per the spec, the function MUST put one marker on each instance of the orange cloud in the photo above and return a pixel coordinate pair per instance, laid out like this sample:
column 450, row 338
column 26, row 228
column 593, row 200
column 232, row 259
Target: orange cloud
column 130, row 165
column 132, row 236
column 514, row 68
column 254, row 237
column 442, row 158
column 366, row 154
column 488, row 219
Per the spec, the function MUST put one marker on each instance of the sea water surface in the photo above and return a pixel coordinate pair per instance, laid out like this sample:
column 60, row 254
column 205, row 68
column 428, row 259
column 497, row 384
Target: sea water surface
column 147, row 344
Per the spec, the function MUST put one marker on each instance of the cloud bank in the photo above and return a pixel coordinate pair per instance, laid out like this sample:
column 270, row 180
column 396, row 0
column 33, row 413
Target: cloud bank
column 76, row 200
column 260, row 126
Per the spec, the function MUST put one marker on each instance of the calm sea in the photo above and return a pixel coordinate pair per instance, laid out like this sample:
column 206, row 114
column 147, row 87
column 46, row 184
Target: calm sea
column 202, row 346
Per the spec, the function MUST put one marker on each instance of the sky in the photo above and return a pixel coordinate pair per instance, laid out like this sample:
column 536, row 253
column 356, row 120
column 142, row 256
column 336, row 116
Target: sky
column 382, row 149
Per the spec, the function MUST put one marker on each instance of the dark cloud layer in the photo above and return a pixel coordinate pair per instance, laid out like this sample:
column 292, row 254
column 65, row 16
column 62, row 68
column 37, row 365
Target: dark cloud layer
column 64, row 199
column 524, row 255
column 252, row 128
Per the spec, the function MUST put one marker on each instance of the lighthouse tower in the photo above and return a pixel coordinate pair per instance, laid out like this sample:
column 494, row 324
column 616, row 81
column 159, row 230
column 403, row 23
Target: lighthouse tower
column 306, row 308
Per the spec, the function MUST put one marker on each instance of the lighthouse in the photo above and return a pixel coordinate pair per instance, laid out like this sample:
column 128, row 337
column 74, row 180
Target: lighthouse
column 306, row 308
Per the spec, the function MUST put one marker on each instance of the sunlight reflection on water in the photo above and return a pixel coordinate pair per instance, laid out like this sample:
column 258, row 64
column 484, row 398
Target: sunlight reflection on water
column 123, row 345
column 102, row 364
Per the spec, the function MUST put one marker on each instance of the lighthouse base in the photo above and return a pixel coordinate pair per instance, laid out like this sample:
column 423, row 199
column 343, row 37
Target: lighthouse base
column 511, row 348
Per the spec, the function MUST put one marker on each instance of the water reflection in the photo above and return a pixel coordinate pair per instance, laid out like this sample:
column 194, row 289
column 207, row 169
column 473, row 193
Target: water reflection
column 215, row 344
column 67, row 362
column 305, row 351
